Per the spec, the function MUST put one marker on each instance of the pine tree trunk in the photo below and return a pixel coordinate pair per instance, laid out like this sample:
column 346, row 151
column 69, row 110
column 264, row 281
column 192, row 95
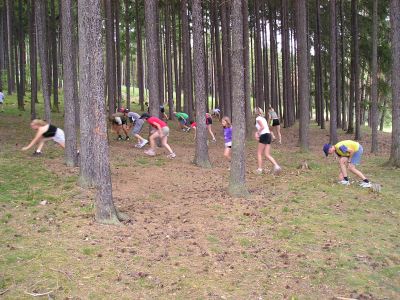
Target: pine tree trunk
column 33, row 58
column 110, row 57
column 150, row 8
column 258, row 58
column 356, row 48
column 339, row 67
column 43, row 55
column 218, row 63
column 303, row 75
column 374, row 83
column 201, row 158
column 237, row 180
column 274, row 92
column 246, row 64
column 21, row 44
column 91, row 92
column 176, row 67
column 343, row 68
column 53, row 29
column 186, row 58
column 10, row 66
column 394, row 159
column 227, row 111
column 139, row 60
column 70, row 84
column 332, row 77
column 160, row 61
column 127, row 53
column 168, row 58
column 319, row 102
column 118, row 53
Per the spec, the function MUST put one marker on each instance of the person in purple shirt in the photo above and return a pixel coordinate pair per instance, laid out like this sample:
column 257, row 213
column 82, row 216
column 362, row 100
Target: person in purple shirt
column 226, row 124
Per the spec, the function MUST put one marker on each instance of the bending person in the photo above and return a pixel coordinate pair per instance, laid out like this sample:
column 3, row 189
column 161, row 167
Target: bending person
column 45, row 132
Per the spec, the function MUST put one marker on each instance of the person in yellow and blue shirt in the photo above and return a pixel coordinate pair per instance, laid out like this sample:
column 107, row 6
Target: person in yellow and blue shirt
column 349, row 153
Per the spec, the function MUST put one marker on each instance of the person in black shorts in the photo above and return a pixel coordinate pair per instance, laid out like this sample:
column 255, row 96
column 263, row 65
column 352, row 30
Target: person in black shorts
column 45, row 132
column 273, row 119
column 264, row 137
column 209, row 126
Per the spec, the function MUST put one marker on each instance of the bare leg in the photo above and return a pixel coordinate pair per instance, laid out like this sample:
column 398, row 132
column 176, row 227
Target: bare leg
column 343, row 168
column 153, row 140
column 268, row 155
column 260, row 150
column 210, row 131
column 41, row 143
column 353, row 170
column 227, row 153
column 278, row 129
column 164, row 142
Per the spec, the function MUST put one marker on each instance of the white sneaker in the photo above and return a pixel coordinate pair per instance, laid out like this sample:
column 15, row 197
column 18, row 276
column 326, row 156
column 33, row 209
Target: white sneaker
column 172, row 155
column 141, row 145
column 150, row 152
column 344, row 182
column 365, row 184
column 277, row 170
column 259, row 171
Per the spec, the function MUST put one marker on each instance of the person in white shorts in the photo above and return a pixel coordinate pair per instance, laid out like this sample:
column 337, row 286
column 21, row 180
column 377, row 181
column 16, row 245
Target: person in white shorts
column 45, row 132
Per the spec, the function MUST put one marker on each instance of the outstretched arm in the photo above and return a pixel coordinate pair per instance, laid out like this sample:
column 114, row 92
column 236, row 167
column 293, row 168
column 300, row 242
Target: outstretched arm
column 37, row 137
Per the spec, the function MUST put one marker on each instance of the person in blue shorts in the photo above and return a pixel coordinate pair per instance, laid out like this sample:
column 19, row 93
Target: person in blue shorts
column 350, row 153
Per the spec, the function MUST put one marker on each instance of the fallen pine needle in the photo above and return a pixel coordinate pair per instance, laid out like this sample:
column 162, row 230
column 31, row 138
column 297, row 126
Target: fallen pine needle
column 5, row 291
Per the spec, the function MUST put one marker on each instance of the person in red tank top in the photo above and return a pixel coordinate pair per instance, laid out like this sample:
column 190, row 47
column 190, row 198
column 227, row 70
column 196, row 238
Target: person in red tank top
column 160, row 130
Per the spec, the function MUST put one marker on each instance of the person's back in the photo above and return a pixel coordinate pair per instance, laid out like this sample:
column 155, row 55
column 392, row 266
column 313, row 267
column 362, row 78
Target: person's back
column 1, row 100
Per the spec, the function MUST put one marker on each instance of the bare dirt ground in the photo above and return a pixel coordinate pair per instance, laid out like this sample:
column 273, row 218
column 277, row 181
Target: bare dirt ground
column 297, row 236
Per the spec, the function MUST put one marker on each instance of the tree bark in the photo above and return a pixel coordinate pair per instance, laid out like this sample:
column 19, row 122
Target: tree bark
column 43, row 55
column 178, row 93
column 246, row 64
column 139, row 60
column 91, row 92
column 201, row 158
column 110, row 57
column 168, row 58
column 356, row 49
column 374, row 83
column 127, row 54
column 21, row 44
column 151, row 22
column 53, row 30
column 394, row 159
column 332, row 77
column 70, row 84
column 227, row 111
column 237, row 180
column 118, row 53
column 33, row 58
column 303, row 75
column 319, row 102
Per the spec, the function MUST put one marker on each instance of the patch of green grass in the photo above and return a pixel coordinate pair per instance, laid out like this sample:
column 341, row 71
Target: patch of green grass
column 246, row 243
column 88, row 251
column 212, row 239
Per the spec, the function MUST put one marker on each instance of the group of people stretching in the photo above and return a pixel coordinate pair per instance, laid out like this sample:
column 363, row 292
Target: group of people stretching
column 349, row 152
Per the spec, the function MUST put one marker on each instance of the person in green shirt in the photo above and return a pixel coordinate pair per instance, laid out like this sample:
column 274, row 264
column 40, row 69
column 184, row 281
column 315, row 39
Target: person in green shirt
column 182, row 120
column 349, row 153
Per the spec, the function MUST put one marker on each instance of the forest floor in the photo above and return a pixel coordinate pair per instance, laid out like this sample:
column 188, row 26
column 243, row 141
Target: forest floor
column 299, row 235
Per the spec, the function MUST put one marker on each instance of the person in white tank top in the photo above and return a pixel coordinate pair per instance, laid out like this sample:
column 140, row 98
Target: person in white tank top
column 264, row 138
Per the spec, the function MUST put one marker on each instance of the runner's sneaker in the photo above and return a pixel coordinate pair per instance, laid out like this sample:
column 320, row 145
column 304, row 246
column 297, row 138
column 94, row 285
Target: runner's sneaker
column 365, row 184
column 344, row 182
column 119, row 138
column 137, row 145
column 127, row 138
column 144, row 142
column 150, row 152
column 214, row 141
column 172, row 155
column 259, row 171
column 277, row 170
column 36, row 153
